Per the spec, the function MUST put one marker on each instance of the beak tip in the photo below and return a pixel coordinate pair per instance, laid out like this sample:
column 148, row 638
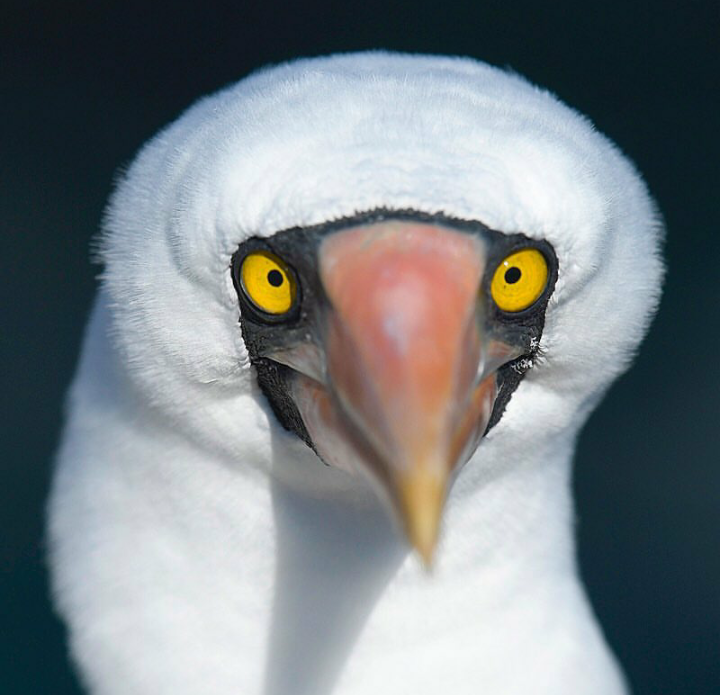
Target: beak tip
column 426, row 556
column 422, row 503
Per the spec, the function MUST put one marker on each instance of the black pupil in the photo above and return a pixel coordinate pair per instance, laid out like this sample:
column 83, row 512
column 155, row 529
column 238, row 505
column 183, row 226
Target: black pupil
column 275, row 278
column 512, row 275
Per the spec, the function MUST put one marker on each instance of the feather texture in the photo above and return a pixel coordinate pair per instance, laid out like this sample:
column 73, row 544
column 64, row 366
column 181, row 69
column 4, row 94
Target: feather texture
column 197, row 547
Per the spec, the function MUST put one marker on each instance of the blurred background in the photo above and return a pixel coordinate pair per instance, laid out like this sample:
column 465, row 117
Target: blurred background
column 84, row 84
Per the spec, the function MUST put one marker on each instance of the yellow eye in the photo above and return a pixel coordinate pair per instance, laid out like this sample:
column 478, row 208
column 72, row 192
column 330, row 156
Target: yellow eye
column 268, row 282
column 519, row 280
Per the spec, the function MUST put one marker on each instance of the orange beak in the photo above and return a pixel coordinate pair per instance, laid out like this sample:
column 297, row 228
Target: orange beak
column 406, row 397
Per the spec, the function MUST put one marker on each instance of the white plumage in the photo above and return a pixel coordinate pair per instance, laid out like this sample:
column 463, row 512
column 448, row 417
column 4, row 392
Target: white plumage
column 198, row 547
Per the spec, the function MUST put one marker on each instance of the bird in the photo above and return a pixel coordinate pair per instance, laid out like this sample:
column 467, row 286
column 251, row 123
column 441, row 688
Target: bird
column 352, row 314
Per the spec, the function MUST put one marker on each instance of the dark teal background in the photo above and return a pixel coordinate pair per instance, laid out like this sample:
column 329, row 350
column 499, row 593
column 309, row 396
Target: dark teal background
column 83, row 85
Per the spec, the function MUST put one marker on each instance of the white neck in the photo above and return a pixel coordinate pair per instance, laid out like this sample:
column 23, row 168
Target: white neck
column 503, row 610
column 186, row 574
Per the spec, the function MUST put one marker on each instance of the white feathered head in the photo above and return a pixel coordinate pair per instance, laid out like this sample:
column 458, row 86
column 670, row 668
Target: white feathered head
column 384, row 257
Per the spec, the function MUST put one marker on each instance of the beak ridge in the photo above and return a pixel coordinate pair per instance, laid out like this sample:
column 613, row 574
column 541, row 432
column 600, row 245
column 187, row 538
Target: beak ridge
column 403, row 351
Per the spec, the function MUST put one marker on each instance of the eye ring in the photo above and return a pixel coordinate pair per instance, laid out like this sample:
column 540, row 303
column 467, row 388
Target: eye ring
column 519, row 280
column 268, row 284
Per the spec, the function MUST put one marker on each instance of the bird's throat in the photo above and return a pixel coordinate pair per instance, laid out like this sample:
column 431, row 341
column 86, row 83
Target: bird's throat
column 505, row 571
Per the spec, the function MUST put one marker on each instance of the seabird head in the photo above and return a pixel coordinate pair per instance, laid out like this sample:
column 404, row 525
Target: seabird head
column 386, row 258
